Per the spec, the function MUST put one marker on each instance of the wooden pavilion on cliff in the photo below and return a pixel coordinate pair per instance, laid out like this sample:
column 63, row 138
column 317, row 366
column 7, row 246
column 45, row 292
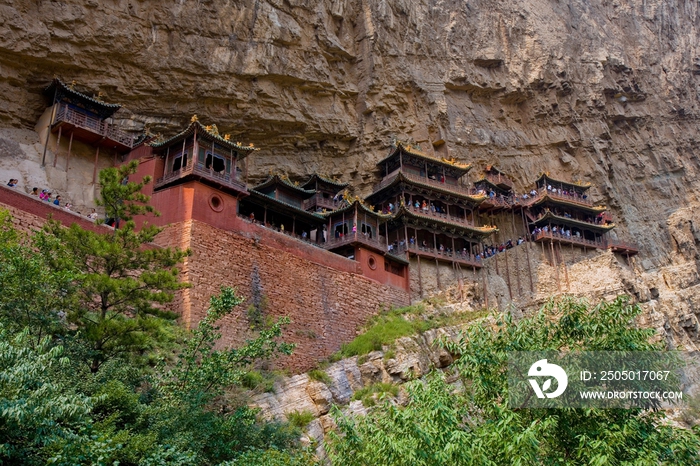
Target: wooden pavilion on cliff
column 433, row 208
column 561, row 212
column 498, row 189
column 201, row 153
column 359, row 233
column 85, row 119
column 326, row 195
column 279, row 204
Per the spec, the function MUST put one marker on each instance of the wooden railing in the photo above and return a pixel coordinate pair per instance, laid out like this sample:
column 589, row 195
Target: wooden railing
column 378, row 242
column 440, row 216
column 457, row 256
column 199, row 169
column 319, row 201
column 499, row 179
column 94, row 124
column 543, row 191
column 424, row 180
column 570, row 239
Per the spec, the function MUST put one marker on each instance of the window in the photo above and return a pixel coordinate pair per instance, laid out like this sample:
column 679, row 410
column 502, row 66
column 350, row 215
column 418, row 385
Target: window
column 180, row 161
column 340, row 229
column 393, row 268
column 367, row 230
column 218, row 164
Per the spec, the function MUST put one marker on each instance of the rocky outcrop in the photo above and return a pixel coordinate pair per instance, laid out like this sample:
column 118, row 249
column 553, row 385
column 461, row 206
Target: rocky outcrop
column 408, row 358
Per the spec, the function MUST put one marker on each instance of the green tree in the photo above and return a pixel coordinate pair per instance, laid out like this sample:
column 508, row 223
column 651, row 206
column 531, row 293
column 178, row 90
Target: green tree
column 33, row 294
column 124, row 280
column 444, row 425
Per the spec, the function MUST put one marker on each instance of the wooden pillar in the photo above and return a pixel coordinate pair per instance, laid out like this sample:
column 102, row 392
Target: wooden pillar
column 510, row 291
column 70, row 146
column 167, row 156
column 437, row 274
column 566, row 272
column 265, row 216
column 58, row 146
column 554, row 262
column 94, row 170
column 420, row 278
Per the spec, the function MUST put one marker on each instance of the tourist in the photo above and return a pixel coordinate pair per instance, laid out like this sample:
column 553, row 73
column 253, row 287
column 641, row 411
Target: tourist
column 92, row 215
column 12, row 183
column 68, row 206
column 57, row 201
column 252, row 217
column 35, row 192
column 354, row 227
column 417, row 205
column 412, row 240
column 48, row 198
column 304, row 235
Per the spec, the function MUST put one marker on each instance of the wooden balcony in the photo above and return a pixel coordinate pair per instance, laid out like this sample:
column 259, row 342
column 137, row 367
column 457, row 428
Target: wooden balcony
column 576, row 199
column 564, row 239
column 376, row 242
column 623, row 247
column 91, row 129
column 387, row 180
column 441, row 216
column 499, row 180
column 317, row 200
column 433, row 253
column 198, row 170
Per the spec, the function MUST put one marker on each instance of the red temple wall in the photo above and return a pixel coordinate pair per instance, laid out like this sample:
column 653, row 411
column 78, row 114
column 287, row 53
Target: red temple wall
column 364, row 258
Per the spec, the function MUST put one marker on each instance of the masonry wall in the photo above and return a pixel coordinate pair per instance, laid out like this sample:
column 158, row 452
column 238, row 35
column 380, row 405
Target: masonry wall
column 327, row 305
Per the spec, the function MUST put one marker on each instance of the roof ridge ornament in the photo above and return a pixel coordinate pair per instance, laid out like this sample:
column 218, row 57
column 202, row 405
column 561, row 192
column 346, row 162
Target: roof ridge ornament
column 194, row 118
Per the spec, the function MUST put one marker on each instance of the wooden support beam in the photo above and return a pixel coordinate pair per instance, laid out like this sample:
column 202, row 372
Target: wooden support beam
column 70, row 146
column 58, row 146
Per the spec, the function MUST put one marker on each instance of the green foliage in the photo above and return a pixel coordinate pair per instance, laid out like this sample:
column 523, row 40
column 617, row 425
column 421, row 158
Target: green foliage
column 386, row 327
column 36, row 413
column 121, row 198
column 122, row 281
column 368, row 394
column 300, row 419
column 320, row 376
column 57, row 407
column 442, row 425
column 35, row 295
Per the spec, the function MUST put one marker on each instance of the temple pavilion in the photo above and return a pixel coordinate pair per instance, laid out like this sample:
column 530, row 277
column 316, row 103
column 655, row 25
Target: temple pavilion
column 200, row 153
column 86, row 119
column 498, row 189
column 433, row 209
column 279, row 204
column 562, row 212
column 327, row 193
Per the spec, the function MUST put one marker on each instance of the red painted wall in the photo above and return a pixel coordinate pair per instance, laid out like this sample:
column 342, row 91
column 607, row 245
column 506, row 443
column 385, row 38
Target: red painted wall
column 378, row 273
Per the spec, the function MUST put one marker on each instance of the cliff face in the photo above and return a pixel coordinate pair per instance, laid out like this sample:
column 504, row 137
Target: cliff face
column 605, row 92
column 599, row 91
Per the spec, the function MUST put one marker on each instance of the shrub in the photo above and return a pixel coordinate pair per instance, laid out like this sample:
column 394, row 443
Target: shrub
column 300, row 419
column 320, row 376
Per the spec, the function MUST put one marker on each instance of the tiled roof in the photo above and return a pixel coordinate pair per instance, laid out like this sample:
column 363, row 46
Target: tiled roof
column 324, row 179
column 277, row 179
column 103, row 108
column 577, row 184
column 398, row 145
column 203, row 131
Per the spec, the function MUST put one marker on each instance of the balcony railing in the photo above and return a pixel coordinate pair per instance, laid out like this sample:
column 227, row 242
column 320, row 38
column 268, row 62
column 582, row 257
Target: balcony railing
column 499, row 180
column 387, row 180
column 457, row 256
column 572, row 239
column 377, row 242
column 199, row 169
column 576, row 199
column 94, row 124
column 440, row 216
column 318, row 200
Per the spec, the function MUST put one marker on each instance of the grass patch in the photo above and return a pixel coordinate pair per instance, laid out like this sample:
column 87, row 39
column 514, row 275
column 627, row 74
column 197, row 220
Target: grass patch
column 300, row 419
column 320, row 376
column 259, row 381
column 367, row 394
column 386, row 327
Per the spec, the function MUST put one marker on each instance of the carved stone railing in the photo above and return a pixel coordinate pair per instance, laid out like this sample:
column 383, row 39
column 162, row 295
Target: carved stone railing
column 456, row 256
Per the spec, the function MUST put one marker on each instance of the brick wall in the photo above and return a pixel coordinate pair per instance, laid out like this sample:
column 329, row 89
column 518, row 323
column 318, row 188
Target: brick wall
column 327, row 306
column 29, row 213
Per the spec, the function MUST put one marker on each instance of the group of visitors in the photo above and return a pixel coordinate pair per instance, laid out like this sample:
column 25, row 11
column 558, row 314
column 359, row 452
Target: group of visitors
column 47, row 196
column 565, row 192
column 560, row 230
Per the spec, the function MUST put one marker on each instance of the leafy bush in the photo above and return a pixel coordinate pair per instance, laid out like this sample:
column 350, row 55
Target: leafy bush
column 300, row 419
column 320, row 376
column 368, row 394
